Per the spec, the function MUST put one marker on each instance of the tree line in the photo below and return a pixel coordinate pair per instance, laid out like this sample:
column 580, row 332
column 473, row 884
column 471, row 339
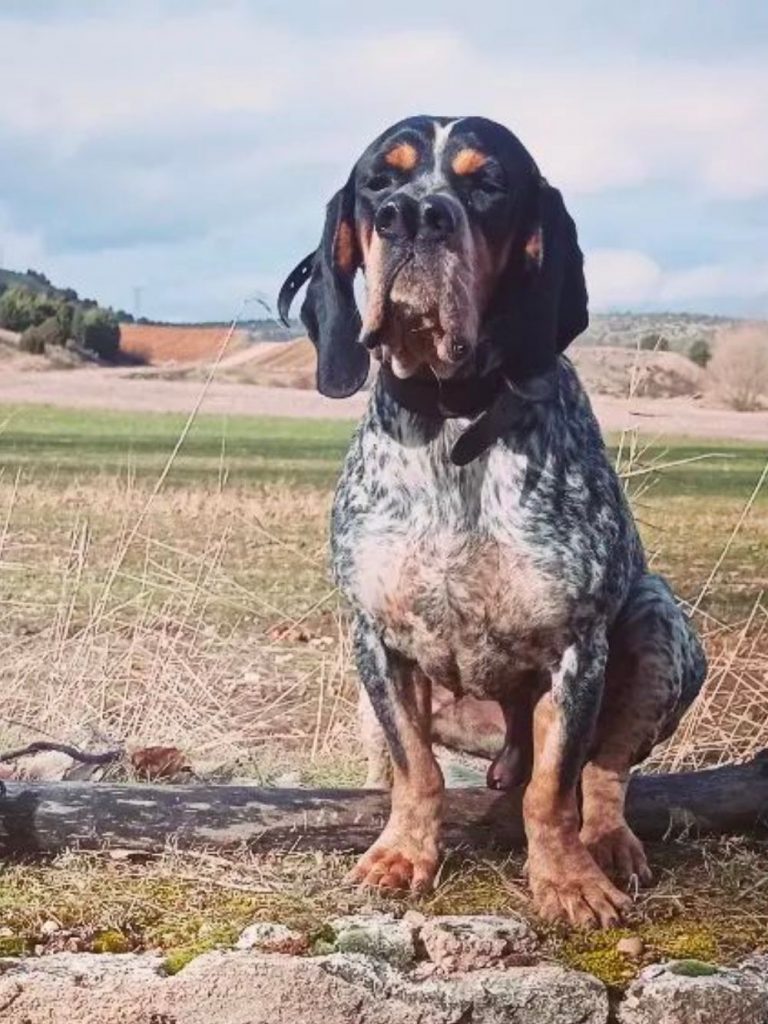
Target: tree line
column 47, row 317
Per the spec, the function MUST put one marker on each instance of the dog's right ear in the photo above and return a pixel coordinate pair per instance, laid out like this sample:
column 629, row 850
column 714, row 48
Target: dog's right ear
column 329, row 311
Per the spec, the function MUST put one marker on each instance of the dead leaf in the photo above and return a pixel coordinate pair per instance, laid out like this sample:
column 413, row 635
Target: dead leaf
column 289, row 634
column 153, row 763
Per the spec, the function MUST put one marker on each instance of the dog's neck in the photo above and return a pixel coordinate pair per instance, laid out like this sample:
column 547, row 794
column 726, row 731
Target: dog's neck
column 443, row 399
column 492, row 403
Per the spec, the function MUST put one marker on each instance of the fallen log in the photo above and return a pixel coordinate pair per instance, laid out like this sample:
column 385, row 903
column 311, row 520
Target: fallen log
column 46, row 818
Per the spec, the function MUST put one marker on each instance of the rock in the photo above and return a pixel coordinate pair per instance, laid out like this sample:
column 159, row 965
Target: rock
column 245, row 987
column 271, row 938
column 380, row 936
column 631, row 946
column 49, row 928
column 100, row 989
column 692, row 992
column 469, row 943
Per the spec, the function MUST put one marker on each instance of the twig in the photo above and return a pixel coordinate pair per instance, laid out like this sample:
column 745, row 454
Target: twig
column 41, row 746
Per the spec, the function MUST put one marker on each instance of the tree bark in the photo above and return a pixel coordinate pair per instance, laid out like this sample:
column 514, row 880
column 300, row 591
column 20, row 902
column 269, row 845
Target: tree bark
column 45, row 818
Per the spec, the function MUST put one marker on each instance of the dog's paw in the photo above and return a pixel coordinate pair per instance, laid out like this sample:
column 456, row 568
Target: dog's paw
column 397, row 863
column 573, row 889
column 618, row 852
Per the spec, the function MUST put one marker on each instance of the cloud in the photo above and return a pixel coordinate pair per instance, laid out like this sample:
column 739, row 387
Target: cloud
column 621, row 278
column 172, row 139
column 625, row 278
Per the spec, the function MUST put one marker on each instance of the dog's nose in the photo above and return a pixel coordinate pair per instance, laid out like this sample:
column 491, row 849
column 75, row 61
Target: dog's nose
column 397, row 219
column 437, row 221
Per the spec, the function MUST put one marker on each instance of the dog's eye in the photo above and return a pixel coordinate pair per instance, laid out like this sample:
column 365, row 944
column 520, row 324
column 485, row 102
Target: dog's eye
column 489, row 182
column 379, row 182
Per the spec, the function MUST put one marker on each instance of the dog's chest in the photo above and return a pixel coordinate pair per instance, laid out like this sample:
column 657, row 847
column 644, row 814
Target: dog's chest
column 447, row 572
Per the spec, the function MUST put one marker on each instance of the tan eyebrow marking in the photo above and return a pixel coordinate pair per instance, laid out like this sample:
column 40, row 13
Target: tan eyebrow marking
column 403, row 156
column 467, row 161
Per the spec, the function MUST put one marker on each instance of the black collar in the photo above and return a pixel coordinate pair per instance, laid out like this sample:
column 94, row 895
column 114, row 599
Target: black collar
column 443, row 399
column 491, row 401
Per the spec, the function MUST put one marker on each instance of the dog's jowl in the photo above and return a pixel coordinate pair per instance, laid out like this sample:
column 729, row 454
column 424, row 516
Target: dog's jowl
column 479, row 531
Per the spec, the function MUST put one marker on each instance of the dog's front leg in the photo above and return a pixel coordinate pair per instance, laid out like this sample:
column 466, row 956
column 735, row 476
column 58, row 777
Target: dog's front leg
column 566, row 882
column 405, row 854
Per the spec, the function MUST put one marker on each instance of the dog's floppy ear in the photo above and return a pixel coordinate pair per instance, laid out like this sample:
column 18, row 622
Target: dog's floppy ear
column 540, row 304
column 330, row 312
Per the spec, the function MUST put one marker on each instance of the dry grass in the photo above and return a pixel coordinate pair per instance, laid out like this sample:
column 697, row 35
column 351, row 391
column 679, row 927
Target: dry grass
column 213, row 628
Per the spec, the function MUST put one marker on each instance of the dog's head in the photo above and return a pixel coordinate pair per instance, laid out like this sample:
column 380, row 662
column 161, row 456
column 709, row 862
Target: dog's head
column 469, row 256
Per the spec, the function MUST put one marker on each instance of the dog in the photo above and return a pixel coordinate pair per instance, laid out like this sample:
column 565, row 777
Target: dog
column 478, row 530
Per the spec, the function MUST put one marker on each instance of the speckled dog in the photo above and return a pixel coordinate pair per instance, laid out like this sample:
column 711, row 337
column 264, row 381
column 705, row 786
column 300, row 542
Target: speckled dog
column 479, row 530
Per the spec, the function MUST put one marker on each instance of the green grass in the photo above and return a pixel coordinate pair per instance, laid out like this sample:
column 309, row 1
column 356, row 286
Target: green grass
column 44, row 441
column 47, row 442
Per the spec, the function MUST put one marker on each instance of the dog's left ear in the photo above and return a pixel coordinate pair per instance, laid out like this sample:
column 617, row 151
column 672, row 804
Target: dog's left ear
column 329, row 311
column 540, row 304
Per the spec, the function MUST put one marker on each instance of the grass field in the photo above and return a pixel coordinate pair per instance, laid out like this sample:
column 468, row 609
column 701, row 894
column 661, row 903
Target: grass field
column 50, row 443
column 199, row 613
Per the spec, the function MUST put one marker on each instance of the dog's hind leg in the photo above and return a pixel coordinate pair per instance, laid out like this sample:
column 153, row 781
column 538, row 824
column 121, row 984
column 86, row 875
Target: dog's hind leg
column 379, row 764
column 655, row 668
column 406, row 853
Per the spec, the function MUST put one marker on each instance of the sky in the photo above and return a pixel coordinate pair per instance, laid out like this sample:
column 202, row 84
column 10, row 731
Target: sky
column 173, row 157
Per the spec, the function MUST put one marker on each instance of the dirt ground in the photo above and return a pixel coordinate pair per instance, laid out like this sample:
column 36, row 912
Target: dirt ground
column 135, row 390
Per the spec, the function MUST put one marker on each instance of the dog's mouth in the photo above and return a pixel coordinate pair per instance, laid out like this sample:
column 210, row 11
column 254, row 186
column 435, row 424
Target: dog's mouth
column 417, row 318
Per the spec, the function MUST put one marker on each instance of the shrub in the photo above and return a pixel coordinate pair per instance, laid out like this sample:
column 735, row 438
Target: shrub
column 99, row 331
column 699, row 352
column 38, row 337
column 654, row 342
column 739, row 366
column 65, row 315
column 21, row 308
column 18, row 309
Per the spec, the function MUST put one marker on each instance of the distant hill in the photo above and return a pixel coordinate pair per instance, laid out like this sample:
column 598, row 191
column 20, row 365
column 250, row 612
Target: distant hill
column 630, row 330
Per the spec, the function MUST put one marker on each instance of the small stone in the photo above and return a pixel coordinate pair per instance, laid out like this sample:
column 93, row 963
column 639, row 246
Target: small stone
column 468, row 943
column 6, row 933
column 49, row 928
column 414, row 918
column 380, row 936
column 267, row 936
column 631, row 946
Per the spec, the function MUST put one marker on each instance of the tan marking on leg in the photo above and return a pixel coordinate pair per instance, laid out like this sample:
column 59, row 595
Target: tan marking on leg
column 566, row 882
column 639, row 694
column 604, row 831
column 405, row 855
column 403, row 156
column 468, row 161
